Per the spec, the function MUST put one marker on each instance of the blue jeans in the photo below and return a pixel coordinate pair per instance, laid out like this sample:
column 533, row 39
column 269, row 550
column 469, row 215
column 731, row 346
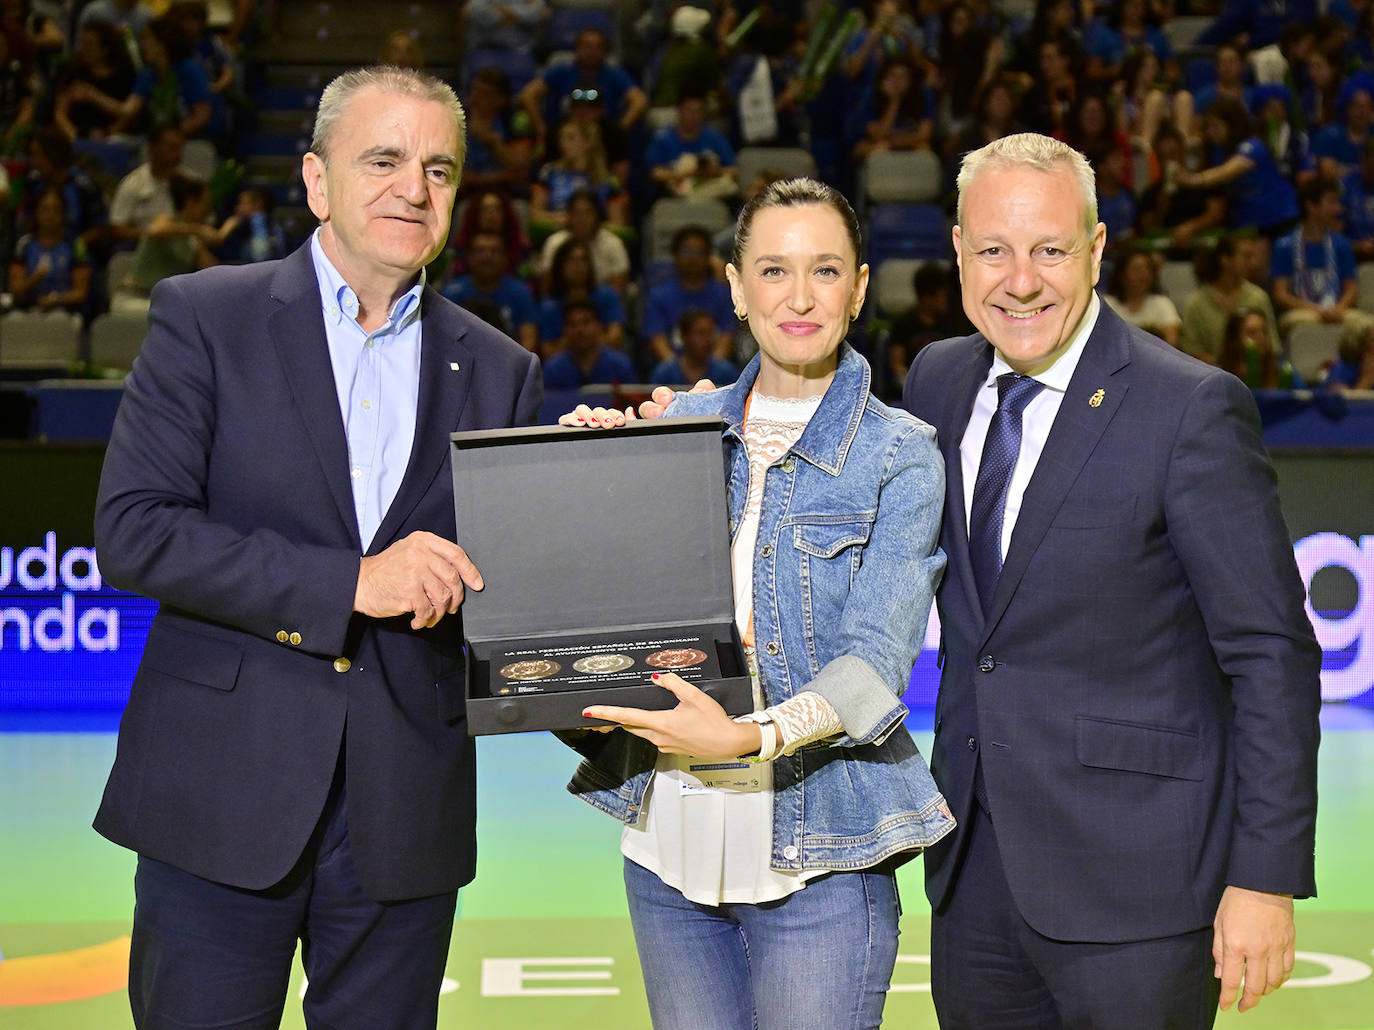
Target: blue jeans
column 819, row 958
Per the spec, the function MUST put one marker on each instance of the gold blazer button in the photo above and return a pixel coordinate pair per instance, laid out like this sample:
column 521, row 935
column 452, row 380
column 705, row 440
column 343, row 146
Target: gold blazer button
column 342, row 665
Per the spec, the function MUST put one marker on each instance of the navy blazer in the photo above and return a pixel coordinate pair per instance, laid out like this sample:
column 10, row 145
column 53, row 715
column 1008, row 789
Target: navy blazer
column 226, row 496
column 1144, row 692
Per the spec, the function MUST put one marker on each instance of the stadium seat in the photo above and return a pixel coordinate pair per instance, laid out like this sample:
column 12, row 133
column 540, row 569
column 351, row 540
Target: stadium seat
column 1312, row 348
column 901, row 177
column 520, row 68
column 200, row 159
column 119, row 268
column 1183, row 31
column 1364, row 277
column 1177, row 280
column 670, row 214
column 791, row 161
column 893, row 289
column 566, row 22
column 116, row 338
column 39, row 339
column 907, row 231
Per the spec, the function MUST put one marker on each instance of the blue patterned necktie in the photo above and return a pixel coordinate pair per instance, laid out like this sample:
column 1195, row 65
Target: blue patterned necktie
column 1000, row 450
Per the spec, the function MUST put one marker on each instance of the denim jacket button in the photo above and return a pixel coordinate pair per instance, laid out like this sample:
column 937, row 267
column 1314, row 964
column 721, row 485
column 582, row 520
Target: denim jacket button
column 986, row 663
column 790, row 853
column 772, row 647
column 766, row 551
column 789, row 464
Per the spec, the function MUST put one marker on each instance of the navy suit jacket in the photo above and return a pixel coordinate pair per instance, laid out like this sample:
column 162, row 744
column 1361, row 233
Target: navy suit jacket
column 1144, row 692
column 226, row 496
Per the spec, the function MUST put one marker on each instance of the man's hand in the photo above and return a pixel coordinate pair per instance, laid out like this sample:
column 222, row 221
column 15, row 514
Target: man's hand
column 1254, row 941
column 423, row 573
column 663, row 396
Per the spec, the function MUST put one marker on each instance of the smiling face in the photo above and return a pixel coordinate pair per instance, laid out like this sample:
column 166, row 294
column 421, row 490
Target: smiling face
column 385, row 192
column 1027, row 262
column 801, row 284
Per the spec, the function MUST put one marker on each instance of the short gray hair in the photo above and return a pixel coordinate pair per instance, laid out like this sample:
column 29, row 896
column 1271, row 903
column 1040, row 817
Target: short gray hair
column 388, row 79
column 1036, row 151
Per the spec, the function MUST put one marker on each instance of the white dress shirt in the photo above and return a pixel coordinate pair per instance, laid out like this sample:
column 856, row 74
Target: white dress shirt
column 1036, row 421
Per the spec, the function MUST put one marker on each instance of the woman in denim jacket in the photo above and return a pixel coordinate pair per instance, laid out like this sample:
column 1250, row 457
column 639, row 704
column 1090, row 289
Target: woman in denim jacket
column 762, row 890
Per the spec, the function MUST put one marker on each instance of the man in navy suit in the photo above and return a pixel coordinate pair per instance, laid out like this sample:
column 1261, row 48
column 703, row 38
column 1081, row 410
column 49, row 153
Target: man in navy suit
column 1127, row 718
column 294, row 762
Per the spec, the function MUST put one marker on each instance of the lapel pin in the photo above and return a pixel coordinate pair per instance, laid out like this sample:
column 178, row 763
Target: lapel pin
column 453, row 367
column 1095, row 401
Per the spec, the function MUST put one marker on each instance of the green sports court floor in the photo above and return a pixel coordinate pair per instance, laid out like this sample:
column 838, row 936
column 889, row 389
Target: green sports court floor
column 542, row 938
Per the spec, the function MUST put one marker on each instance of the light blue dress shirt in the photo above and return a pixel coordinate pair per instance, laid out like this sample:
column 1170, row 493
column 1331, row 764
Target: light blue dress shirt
column 377, row 376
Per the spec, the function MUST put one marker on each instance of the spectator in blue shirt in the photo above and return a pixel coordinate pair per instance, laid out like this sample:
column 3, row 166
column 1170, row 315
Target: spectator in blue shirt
column 1258, row 196
column 1337, row 146
column 487, row 278
column 254, row 234
column 586, row 358
column 1127, row 28
column 1258, row 20
column 1230, row 81
column 50, row 271
column 1314, row 266
column 1357, row 196
column 692, row 285
column 548, row 97
column 572, row 276
column 697, row 360
column 1291, row 147
column 171, row 88
column 500, row 144
column 689, row 158
column 896, row 114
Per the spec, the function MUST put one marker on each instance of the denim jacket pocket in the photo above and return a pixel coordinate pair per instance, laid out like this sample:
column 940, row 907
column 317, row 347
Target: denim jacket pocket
column 827, row 537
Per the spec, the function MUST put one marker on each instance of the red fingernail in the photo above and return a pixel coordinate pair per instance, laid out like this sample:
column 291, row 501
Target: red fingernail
column 655, row 676
column 586, row 715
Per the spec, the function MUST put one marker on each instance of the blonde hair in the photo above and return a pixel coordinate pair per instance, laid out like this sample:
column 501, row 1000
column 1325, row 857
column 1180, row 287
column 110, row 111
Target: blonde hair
column 595, row 151
column 1030, row 149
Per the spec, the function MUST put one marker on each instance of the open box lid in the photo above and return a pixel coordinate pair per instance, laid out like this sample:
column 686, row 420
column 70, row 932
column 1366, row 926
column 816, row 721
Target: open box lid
column 580, row 530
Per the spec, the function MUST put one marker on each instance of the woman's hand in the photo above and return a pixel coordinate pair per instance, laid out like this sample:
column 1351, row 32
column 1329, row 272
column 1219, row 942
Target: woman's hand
column 697, row 726
column 597, row 418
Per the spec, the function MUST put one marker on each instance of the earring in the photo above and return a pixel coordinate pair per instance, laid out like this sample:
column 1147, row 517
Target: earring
column 743, row 316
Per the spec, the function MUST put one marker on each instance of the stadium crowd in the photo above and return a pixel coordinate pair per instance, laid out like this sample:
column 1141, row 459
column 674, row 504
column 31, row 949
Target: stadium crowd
column 1232, row 140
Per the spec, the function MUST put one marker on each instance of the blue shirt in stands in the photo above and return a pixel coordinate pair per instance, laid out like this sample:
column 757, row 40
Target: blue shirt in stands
column 1112, row 45
column 1333, row 142
column 1319, row 272
column 62, row 257
column 612, row 82
column 667, row 146
column 1261, row 197
column 667, row 302
column 718, row 370
column 1357, row 196
column 608, row 308
column 511, row 295
column 561, row 372
column 1117, row 212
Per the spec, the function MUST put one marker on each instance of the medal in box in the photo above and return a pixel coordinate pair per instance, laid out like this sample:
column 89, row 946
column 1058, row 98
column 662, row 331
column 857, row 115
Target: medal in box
column 606, row 558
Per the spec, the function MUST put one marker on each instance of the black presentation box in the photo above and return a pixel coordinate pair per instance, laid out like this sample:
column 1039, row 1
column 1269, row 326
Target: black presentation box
column 606, row 557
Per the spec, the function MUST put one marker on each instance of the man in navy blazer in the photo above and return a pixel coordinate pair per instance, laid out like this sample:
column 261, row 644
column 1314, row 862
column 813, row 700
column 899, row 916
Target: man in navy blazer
column 1127, row 718
column 294, row 761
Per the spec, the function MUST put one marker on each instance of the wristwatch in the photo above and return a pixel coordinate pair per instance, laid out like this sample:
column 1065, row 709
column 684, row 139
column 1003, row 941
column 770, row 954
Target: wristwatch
column 770, row 745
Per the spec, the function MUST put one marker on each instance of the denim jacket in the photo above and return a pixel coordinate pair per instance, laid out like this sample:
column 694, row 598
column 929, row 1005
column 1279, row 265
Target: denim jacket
column 842, row 590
